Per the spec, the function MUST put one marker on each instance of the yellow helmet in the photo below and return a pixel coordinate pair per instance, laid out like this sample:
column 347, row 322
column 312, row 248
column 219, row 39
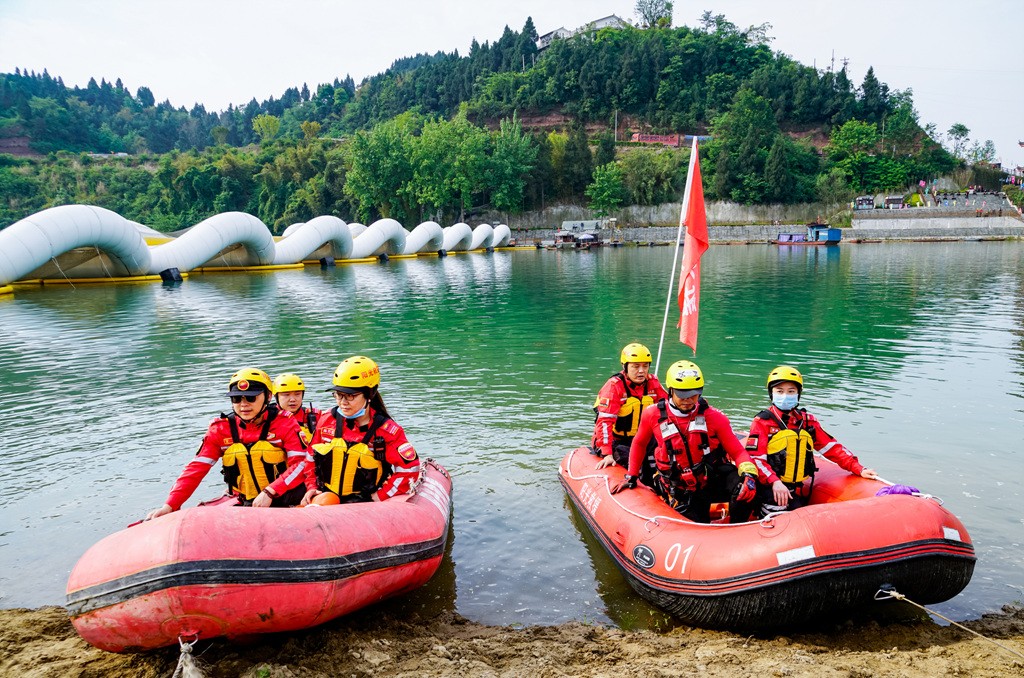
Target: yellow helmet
column 635, row 353
column 685, row 378
column 249, row 381
column 288, row 382
column 357, row 374
column 785, row 373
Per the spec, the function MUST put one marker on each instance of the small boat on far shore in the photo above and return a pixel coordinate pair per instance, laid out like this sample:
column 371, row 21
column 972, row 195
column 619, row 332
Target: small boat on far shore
column 816, row 234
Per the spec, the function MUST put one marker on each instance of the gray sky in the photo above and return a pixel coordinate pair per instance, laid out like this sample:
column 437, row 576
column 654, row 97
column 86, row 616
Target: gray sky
column 962, row 59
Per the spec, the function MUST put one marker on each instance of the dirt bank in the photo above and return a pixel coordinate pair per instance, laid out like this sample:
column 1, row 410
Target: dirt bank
column 43, row 643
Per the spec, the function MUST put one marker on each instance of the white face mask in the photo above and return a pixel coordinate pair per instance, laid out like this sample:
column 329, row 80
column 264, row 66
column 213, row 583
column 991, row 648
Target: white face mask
column 785, row 401
column 355, row 415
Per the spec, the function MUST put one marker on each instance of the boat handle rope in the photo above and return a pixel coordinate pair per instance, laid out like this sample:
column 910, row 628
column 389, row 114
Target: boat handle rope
column 188, row 665
column 647, row 519
column 889, row 593
column 922, row 495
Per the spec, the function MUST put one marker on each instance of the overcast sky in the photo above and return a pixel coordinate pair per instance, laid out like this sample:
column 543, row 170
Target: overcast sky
column 963, row 60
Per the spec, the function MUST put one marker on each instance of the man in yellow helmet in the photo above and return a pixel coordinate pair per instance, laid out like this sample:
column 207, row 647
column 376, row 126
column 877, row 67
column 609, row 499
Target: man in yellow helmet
column 699, row 458
column 782, row 442
column 289, row 389
column 262, row 454
column 359, row 452
column 619, row 405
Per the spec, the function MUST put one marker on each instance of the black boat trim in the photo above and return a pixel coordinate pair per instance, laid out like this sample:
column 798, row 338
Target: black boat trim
column 251, row 572
column 775, row 576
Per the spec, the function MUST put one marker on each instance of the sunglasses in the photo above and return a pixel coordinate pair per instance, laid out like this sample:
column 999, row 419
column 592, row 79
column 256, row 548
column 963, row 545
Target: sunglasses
column 248, row 399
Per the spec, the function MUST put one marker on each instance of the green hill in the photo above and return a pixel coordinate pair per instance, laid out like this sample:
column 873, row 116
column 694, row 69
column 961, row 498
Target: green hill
column 780, row 132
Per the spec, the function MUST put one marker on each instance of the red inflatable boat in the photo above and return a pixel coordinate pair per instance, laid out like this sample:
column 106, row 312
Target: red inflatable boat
column 791, row 567
column 229, row 571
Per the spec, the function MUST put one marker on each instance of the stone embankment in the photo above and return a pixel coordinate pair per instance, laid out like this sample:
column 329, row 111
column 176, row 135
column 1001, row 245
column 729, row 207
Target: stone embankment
column 914, row 224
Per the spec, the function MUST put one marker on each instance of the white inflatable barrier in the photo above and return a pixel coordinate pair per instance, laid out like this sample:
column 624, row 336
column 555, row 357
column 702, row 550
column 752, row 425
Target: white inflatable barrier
column 84, row 241
column 502, row 235
column 228, row 239
column 311, row 236
column 458, row 237
column 386, row 236
column 28, row 244
column 483, row 236
column 427, row 237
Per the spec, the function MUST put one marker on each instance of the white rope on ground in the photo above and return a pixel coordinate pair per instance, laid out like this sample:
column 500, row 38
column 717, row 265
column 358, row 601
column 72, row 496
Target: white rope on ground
column 188, row 666
column 887, row 593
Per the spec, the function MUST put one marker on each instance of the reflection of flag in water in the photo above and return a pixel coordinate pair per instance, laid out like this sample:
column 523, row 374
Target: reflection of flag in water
column 694, row 217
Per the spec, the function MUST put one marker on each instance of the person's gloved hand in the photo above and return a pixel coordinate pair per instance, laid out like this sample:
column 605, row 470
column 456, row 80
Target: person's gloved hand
column 747, row 488
column 628, row 483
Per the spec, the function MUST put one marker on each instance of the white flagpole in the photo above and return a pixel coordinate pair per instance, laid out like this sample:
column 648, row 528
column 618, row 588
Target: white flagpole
column 675, row 257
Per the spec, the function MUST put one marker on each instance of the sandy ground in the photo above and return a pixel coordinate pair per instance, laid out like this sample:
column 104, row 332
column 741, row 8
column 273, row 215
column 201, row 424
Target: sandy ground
column 42, row 642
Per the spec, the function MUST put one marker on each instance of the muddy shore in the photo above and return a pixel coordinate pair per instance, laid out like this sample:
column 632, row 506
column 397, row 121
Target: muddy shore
column 375, row 642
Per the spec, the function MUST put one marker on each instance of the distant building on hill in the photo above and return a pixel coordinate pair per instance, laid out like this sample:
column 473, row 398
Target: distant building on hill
column 611, row 21
column 666, row 139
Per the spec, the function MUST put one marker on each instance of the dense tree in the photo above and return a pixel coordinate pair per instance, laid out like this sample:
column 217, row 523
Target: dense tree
column 380, row 174
column 449, row 165
column 266, row 126
column 607, row 191
column 958, row 134
column 654, row 13
column 577, row 164
column 605, row 149
column 778, row 173
column 512, row 160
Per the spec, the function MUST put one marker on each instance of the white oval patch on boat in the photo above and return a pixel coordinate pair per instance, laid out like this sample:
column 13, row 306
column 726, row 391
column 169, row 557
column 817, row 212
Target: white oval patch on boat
column 643, row 556
column 793, row 555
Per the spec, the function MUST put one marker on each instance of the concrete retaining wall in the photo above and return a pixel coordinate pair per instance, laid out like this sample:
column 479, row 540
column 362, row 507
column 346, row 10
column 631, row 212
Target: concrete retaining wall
column 907, row 230
column 939, row 222
column 661, row 215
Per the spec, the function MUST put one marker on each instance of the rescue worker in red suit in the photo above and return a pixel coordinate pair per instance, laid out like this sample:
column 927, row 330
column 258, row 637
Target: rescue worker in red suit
column 619, row 405
column 262, row 454
column 699, row 458
column 289, row 389
column 359, row 452
column 782, row 442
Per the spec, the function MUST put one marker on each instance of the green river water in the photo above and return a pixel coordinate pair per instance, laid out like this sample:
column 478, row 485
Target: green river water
column 913, row 355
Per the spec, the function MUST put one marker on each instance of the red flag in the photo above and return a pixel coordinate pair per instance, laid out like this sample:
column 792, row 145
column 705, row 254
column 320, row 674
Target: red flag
column 694, row 217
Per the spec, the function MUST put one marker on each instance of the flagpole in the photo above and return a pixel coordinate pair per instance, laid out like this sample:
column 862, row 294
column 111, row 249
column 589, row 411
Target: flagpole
column 675, row 257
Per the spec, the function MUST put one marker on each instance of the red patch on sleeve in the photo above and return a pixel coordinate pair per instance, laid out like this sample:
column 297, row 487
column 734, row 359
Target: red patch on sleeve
column 407, row 452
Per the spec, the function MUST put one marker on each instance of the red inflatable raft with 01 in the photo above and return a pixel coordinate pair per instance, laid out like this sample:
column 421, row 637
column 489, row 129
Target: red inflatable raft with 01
column 828, row 557
column 223, row 570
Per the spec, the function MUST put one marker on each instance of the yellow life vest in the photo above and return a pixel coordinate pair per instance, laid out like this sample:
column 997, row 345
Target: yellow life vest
column 791, row 455
column 350, row 469
column 627, row 419
column 249, row 468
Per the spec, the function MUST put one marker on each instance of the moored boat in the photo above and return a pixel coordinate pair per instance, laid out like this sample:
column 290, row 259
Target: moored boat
column 222, row 570
column 816, row 234
column 829, row 557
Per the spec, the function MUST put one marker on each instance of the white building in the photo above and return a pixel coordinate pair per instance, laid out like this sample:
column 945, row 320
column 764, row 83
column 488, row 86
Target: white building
column 611, row 21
